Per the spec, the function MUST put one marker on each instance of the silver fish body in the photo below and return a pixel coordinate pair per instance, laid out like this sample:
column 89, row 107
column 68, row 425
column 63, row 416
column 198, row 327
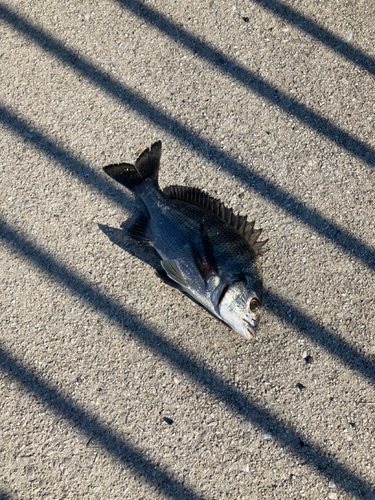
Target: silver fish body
column 206, row 250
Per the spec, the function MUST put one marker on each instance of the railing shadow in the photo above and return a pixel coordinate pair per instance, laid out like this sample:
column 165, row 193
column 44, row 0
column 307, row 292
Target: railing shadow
column 90, row 176
column 233, row 397
column 303, row 23
column 66, row 159
column 285, row 434
column 4, row 495
column 90, row 424
column 264, row 187
column 274, row 194
column 278, row 305
column 259, row 86
column 313, row 29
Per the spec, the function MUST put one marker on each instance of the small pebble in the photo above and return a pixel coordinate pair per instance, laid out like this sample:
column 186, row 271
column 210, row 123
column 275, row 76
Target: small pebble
column 332, row 495
column 331, row 484
column 168, row 420
column 300, row 386
column 245, row 468
column 268, row 437
column 29, row 471
column 308, row 359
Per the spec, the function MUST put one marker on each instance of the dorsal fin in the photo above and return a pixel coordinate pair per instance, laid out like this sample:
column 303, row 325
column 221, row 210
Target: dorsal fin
column 239, row 222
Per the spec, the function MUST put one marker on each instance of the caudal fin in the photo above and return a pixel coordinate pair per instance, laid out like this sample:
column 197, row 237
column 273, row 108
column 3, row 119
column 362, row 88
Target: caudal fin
column 131, row 176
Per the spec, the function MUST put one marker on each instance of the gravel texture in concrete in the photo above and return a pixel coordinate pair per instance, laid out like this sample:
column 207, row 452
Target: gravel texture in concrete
column 114, row 385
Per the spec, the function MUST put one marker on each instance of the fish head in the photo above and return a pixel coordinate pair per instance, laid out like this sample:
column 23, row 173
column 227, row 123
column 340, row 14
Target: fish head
column 240, row 307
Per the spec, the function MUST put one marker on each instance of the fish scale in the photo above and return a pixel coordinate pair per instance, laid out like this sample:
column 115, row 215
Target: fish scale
column 232, row 252
column 207, row 251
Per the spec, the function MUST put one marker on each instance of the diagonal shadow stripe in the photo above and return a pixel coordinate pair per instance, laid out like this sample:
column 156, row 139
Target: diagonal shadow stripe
column 283, row 11
column 233, row 397
column 313, row 29
column 277, row 304
column 332, row 343
column 82, row 170
column 5, row 495
column 109, row 189
column 340, row 349
column 266, row 188
column 77, row 416
column 259, row 86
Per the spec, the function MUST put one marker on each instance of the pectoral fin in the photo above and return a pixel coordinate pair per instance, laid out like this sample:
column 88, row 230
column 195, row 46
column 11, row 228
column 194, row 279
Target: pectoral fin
column 206, row 264
column 173, row 270
column 208, row 249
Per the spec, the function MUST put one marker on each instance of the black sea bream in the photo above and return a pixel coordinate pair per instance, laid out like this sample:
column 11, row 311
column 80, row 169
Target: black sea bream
column 206, row 250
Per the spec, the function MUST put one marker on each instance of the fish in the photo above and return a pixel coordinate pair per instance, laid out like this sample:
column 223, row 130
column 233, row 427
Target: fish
column 206, row 250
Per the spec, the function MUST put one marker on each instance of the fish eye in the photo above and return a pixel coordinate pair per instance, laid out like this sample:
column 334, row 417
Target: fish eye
column 254, row 305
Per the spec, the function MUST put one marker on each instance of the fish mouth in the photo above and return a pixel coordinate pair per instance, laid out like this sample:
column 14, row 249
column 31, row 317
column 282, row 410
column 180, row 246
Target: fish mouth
column 249, row 332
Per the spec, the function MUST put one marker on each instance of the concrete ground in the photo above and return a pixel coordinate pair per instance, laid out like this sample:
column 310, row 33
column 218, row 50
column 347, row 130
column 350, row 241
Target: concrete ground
column 114, row 385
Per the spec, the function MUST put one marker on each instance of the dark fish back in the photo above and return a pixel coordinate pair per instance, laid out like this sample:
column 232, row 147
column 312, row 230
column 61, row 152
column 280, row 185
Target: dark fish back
column 231, row 251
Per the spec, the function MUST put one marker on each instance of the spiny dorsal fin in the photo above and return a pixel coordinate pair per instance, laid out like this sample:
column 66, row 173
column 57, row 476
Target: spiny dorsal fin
column 238, row 222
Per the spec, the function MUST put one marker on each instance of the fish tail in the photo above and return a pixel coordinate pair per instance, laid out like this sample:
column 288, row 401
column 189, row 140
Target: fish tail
column 147, row 165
